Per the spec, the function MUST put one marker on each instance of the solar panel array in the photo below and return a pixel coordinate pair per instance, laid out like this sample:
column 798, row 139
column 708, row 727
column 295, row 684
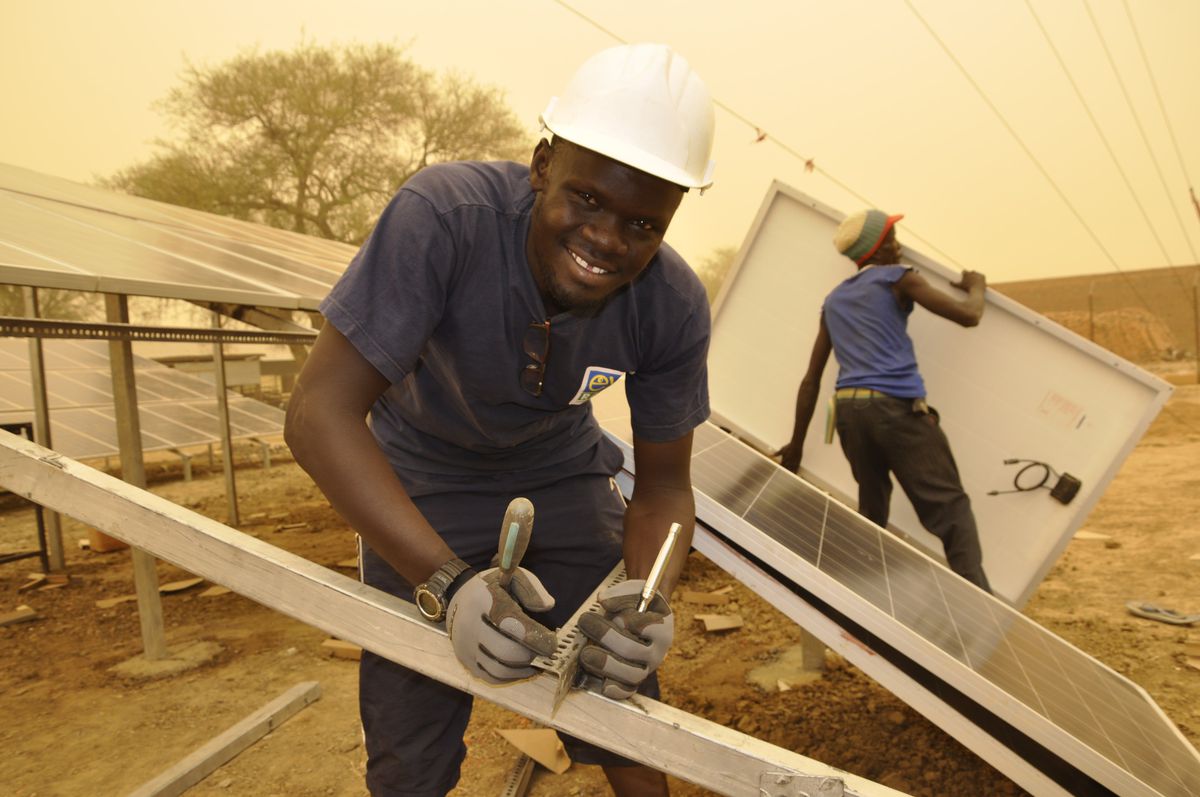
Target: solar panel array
column 176, row 409
column 1065, row 700
column 59, row 234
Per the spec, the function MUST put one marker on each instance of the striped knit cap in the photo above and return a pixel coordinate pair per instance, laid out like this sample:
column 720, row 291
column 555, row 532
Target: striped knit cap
column 859, row 236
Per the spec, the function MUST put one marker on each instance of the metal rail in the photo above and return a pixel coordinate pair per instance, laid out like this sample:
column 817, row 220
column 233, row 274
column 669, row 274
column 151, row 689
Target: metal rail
column 15, row 327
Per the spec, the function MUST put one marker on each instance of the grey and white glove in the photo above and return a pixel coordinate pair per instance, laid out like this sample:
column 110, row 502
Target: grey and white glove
column 624, row 645
column 492, row 635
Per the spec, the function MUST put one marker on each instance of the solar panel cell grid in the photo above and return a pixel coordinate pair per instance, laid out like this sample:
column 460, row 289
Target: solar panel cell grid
column 54, row 233
column 123, row 247
column 15, row 255
column 177, row 409
column 77, row 388
column 1029, row 677
column 251, row 423
column 159, row 421
column 286, row 272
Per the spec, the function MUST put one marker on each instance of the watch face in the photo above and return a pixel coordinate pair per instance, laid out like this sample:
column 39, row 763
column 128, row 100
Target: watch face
column 429, row 604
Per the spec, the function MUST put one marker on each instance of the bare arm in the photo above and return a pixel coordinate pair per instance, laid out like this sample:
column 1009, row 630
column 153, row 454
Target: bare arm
column 806, row 399
column 327, row 431
column 662, row 495
column 962, row 310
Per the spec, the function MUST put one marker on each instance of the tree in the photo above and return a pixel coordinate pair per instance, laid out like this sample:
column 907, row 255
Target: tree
column 52, row 303
column 714, row 268
column 317, row 140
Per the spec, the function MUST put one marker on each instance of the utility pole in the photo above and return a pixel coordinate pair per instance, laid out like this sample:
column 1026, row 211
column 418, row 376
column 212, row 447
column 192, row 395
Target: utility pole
column 1092, row 311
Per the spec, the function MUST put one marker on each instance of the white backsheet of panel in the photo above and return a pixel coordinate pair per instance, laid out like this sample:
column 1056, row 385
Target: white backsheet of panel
column 1016, row 386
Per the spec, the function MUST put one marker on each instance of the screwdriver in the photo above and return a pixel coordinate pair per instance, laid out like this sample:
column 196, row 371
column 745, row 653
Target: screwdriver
column 514, row 537
column 658, row 568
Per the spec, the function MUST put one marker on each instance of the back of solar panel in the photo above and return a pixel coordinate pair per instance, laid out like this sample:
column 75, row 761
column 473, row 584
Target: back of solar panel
column 1016, row 387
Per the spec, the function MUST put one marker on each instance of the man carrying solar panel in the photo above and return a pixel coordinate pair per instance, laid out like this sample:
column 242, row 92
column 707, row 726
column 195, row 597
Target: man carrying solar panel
column 491, row 302
column 884, row 424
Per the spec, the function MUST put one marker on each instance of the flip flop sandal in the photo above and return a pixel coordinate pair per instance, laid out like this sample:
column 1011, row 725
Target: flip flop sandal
column 1152, row 612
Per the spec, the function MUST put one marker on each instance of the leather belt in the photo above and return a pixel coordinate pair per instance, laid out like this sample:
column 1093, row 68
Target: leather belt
column 859, row 393
column 919, row 406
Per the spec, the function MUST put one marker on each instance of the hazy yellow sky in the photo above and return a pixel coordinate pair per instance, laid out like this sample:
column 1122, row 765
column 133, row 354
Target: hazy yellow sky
column 863, row 87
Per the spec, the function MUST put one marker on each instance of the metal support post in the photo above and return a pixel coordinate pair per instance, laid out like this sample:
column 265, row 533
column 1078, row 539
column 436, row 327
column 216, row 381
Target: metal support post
column 1092, row 311
column 56, row 556
column 133, row 471
column 185, row 460
column 1196, row 321
column 223, row 425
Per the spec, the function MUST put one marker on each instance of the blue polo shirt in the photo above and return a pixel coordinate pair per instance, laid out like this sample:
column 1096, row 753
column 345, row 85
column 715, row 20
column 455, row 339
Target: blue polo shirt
column 869, row 332
column 439, row 299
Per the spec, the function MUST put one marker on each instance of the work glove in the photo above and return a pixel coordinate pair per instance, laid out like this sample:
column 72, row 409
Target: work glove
column 624, row 645
column 492, row 635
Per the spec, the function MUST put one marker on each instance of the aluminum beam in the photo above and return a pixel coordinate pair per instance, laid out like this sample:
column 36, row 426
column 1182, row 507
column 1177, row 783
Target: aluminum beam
column 673, row 741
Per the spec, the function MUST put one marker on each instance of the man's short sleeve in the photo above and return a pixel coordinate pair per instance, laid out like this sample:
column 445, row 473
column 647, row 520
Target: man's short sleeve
column 392, row 296
column 668, row 395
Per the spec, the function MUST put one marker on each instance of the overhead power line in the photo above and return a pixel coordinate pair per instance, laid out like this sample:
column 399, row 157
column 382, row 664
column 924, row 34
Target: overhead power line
column 1162, row 108
column 809, row 165
column 761, row 134
column 1012, row 131
column 1103, row 138
column 1137, row 119
column 1025, row 148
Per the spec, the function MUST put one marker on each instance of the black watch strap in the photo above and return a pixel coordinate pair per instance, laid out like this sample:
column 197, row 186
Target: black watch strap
column 459, row 580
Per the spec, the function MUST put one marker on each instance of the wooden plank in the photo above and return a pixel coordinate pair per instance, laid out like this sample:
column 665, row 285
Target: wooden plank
column 22, row 614
column 720, row 622
column 705, row 598
column 340, row 649
column 108, row 603
column 202, row 763
column 688, row 747
column 180, row 586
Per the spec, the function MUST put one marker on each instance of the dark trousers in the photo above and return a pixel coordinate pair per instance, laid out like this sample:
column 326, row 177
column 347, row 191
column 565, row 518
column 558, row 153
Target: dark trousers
column 413, row 724
column 883, row 435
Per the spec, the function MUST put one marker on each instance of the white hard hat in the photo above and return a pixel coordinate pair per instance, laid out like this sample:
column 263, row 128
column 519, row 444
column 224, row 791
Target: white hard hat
column 642, row 105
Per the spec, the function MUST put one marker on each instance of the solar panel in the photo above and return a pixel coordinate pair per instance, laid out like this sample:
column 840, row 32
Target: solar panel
column 58, row 234
column 1015, row 387
column 1111, row 735
column 17, row 180
column 176, row 409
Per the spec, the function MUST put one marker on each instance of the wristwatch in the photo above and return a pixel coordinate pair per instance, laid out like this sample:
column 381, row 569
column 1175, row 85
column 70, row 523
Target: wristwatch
column 431, row 596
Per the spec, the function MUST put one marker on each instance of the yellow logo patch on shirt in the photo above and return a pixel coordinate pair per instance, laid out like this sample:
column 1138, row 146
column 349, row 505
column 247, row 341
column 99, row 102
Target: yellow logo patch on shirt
column 594, row 380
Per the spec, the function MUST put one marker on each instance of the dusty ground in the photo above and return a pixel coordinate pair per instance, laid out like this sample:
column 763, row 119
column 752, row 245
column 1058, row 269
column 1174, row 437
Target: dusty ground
column 72, row 726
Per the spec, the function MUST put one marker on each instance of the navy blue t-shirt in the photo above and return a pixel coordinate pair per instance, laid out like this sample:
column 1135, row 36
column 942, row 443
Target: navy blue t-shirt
column 439, row 299
column 869, row 332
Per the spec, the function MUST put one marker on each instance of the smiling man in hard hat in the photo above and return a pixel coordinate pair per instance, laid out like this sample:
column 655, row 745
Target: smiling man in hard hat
column 491, row 302
column 882, row 419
